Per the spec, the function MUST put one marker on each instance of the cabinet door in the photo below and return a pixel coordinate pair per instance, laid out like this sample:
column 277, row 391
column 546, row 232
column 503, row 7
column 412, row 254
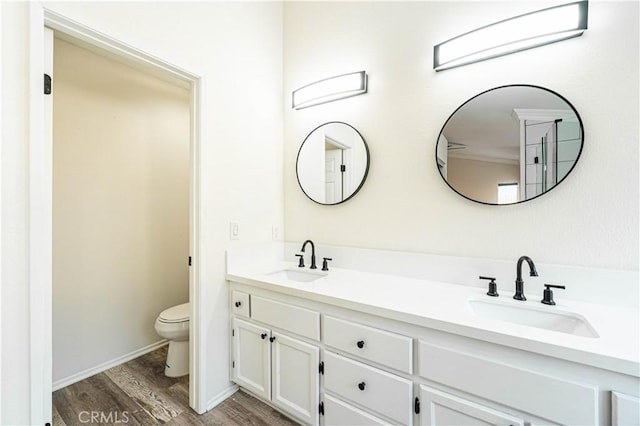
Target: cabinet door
column 252, row 358
column 295, row 387
column 440, row 408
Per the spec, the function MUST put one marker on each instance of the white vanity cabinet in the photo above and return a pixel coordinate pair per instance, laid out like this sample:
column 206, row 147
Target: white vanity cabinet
column 378, row 370
column 274, row 365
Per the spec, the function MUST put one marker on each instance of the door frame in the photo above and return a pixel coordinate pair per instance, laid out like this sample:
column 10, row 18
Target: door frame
column 40, row 203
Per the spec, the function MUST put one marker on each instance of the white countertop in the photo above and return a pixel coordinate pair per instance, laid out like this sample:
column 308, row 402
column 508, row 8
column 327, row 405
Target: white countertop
column 443, row 306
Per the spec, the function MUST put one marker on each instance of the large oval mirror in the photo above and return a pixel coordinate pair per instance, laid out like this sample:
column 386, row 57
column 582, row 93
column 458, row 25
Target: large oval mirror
column 509, row 144
column 332, row 163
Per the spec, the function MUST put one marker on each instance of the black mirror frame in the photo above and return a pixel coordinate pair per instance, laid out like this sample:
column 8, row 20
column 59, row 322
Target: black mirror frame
column 366, row 171
column 503, row 87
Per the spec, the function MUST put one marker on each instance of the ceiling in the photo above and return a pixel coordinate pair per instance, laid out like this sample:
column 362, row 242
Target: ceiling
column 486, row 128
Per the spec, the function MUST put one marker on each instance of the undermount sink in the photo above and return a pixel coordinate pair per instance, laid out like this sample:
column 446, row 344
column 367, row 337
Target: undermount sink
column 296, row 275
column 563, row 322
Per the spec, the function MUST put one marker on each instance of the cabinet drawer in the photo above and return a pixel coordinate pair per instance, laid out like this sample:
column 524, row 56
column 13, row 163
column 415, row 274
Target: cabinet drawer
column 301, row 321
column 340, row 413
column 370, row 387
column 240, row 303
column 509, row 385
column 441, row 408
column 389, row 349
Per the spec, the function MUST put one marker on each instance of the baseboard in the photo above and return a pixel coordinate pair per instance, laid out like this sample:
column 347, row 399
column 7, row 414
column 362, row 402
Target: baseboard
column 59, row 384
column 213, row 402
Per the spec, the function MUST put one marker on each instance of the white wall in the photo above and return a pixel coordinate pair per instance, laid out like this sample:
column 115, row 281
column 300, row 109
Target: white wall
column 15, row 291
column 120, row 208
column 237, row 47
column 591, row 219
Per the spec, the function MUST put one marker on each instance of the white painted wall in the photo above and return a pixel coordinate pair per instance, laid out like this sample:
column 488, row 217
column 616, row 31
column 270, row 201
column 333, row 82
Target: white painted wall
column 120, row 208
column 589, row 220
column 237, row 48
column 15, row 291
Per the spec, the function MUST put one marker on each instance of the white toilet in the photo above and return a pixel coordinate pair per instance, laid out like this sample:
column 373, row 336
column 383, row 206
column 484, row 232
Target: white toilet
column 173, row 324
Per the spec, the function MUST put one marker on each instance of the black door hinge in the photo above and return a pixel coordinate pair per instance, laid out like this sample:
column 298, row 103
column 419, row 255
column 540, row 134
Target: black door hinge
column 233, row 364
column 321, row 368
column 416, row 406
column 47, row 84
column 233, row 332
column 189, row 260
column 343, row 168
column 321, row 408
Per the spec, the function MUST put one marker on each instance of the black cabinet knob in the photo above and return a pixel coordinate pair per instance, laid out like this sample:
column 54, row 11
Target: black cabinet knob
column 360, row 344
column 361, row 385
column 263, row 336
column 271, row 339
column 238, row 304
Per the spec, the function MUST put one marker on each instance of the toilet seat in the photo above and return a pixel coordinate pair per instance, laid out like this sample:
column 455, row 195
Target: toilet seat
column 175, row 314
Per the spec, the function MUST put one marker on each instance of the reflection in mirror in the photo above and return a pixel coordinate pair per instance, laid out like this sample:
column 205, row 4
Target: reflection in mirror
column 332, row 163
column 509, row 144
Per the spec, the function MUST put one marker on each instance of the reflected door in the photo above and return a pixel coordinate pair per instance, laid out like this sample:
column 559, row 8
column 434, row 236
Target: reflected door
column 333, row 176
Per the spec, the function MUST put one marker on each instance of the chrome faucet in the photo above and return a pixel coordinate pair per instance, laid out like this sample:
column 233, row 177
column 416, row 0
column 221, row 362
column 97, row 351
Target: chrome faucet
column 519, row 281
column 313, row 254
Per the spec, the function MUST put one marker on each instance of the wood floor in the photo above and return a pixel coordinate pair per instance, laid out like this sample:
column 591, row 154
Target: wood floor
column 138, row 393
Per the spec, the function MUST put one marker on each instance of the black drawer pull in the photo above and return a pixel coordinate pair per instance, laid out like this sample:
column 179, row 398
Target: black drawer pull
column 361, row 385
column 238, row 304
column 263, row 335
column 360, row 344
column 271, row 339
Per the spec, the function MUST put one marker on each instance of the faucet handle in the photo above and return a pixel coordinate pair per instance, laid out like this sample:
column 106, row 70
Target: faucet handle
column 301, row 262
column 325, row 266
column 547, row 297
column 493, row 287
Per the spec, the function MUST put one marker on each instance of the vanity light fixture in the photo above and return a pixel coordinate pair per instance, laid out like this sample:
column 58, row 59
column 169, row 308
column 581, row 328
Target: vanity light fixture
column 330, row 89
column 512, row 35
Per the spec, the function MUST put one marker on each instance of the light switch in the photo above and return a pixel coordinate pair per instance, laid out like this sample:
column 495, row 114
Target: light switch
column 234, row 230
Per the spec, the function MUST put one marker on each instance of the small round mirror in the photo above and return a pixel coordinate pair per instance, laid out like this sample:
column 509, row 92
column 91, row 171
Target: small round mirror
column 509, row 144
column 332, row 163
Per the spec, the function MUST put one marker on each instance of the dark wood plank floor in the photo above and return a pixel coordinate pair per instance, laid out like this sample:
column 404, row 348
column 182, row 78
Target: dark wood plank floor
column 138, row 393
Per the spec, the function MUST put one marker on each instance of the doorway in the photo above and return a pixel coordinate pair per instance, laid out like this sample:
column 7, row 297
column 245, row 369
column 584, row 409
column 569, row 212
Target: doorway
column 120, row 209
column 40, row 178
